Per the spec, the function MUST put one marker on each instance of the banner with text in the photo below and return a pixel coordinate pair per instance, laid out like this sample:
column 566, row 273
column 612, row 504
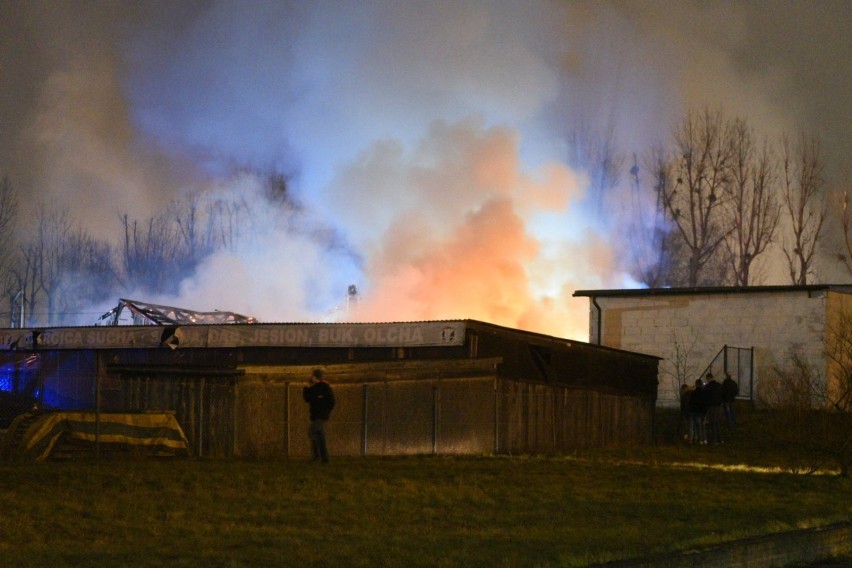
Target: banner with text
column 451, row 333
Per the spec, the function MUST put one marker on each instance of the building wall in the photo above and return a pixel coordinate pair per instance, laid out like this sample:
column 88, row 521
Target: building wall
column 536, row 418
column 693, row 328
column 472, row 388
column 202, row 405
column 400, row 417
column 450, row 415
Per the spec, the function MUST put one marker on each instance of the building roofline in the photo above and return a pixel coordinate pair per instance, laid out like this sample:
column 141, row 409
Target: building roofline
column 154, row 335
column 841, row 288
column 479, row 325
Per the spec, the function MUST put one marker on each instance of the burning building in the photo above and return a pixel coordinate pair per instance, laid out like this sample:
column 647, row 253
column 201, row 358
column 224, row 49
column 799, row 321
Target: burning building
column 439, row 387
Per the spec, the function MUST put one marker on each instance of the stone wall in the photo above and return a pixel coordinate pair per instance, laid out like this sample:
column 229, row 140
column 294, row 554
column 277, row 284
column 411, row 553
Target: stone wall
column 688, row 330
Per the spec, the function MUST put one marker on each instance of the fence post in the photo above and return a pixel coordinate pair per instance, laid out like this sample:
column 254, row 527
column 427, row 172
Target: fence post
column 496, row 417
column 201, row 418
column 287, row 418
column 435, row 416
column 364, row 403
column 553, row 415
column 97, row 405
column 751, row 376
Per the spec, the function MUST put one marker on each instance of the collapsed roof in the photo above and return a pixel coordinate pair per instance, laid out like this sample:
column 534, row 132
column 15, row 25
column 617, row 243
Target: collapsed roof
column 156, row 314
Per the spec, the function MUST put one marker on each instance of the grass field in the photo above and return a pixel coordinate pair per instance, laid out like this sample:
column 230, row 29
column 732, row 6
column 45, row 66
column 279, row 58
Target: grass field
column 572, row 510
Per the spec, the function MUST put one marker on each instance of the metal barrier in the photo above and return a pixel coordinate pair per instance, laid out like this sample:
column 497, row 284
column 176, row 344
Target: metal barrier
column 739, row 362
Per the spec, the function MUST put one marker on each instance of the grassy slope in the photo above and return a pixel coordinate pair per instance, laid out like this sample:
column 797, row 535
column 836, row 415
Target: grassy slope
column 416, row 511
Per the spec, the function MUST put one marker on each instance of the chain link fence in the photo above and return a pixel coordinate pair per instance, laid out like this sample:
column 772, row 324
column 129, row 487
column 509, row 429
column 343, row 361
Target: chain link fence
column 739, row 362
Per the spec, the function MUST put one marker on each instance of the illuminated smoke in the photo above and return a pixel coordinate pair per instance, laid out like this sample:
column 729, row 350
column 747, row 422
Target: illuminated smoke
column 429, row 138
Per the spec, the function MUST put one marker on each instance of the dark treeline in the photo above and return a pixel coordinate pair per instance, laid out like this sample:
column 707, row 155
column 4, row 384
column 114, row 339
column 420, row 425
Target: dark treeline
column 53, row 272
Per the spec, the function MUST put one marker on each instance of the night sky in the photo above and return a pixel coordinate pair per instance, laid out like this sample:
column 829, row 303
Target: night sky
column 430, row 139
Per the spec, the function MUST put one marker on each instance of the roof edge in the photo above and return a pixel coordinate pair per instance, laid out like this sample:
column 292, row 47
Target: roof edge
column 842, row 288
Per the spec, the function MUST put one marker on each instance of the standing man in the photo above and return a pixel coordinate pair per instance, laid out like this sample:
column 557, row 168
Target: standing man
column 320, row 398
column 713, row 391
column 730, row 390
column 698, row 413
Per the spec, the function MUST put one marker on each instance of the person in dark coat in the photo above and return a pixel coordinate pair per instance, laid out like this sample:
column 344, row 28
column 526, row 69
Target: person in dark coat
column 320, row 398
column 713, row 390
column 698, row 413
column 730, row 390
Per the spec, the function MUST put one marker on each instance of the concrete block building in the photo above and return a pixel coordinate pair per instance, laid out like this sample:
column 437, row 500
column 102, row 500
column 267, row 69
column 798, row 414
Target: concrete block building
column 744, row 330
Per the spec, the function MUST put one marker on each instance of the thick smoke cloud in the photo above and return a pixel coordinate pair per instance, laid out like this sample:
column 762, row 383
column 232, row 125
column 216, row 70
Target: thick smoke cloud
column 460, row 241
column 430, row 137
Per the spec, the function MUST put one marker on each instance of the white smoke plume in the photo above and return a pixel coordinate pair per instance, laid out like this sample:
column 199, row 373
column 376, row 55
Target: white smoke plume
column 432, row 138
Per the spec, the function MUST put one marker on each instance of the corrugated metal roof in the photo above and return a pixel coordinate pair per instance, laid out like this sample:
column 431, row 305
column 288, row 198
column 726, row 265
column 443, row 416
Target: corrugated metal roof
column 14, row 335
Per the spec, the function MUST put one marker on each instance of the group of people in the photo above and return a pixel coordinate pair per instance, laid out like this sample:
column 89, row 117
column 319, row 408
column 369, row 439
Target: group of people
column 705, row 406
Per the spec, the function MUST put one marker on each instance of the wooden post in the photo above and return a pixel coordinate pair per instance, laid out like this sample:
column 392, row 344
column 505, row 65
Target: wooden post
column 364, row 408
column 496, row 416
column 201, row 418
column 287, row 419
column 435, row 417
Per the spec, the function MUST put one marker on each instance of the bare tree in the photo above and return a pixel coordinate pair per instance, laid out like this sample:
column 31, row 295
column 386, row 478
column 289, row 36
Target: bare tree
column 811, row 411
column 197, row 237
column 8, row 244
column 277, row 189
column 596, row 154
column 836, row 394
column 151, row 255
column 60, row 270
column 752, row 208
column 225, row 219
column 159, row 251
column 838, row 350
column 41, row 268
column 8, row 217
column 697, row 186
column 648, row 236
column 89, row 278
column 846, row 223
column 229, row 221
column 23, row 284
column 802, row 184
column 683, row 363
column 52, row 240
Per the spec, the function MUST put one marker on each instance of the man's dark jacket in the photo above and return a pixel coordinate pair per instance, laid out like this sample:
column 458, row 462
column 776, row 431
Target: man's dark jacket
column 320, row 397
column 698, row 401
column 713, row 391
column 730, row 390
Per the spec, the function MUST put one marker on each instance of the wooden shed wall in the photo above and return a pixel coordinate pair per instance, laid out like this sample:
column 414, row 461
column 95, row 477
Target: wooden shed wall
column 553, row 418
column 463, row 415
column 387, row 408
column 544, row 359
column 503, row 390
column 203, row 406
column 447, row 416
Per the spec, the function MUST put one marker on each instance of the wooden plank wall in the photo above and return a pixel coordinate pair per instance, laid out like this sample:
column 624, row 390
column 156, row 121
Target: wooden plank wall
column 447, row 416
column 261, row 418
column 552, row 418
column 204, row 407
column 400, row 417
